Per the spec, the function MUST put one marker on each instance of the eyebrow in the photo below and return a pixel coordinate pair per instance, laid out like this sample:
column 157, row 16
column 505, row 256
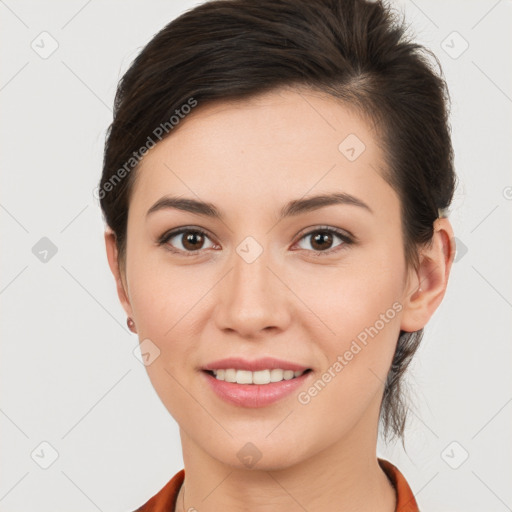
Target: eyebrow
column 293, row 208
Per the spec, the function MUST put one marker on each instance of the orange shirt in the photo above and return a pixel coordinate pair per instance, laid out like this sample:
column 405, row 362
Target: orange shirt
column 165, row 499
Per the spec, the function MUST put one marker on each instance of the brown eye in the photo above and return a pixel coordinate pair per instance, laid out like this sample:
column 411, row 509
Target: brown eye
column 322, row 240
column 185, row 241
column 192, row 240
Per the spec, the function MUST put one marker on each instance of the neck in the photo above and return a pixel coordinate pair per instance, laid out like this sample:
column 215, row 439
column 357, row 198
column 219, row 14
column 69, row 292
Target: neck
column 343, row 477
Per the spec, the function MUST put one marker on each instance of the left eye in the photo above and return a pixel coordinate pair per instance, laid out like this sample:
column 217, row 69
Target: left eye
column 323, row 238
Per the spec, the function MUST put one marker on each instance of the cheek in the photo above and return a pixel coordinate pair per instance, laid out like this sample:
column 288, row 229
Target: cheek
column 160, row 294
column 165, row 303
column 353, row 297
column 169, row 308
column 360, row 311
column 357, row 357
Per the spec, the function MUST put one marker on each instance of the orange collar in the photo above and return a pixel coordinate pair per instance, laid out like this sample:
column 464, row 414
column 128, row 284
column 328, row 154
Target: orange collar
column 405, row 500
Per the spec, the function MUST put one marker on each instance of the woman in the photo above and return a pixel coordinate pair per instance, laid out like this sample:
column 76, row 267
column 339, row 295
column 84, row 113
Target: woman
column 275, row 184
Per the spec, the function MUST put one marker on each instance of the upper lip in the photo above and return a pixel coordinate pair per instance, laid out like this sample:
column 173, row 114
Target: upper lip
column 265, row 363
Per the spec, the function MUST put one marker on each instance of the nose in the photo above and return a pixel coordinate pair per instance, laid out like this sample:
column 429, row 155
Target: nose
column 252, row 298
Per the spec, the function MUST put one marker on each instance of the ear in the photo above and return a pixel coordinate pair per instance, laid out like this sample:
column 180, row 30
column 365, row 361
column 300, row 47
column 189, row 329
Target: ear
column 427, row 284
column 113, row 261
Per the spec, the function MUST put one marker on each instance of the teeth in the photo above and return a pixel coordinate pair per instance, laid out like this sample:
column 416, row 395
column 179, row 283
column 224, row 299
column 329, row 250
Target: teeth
column 259, row 377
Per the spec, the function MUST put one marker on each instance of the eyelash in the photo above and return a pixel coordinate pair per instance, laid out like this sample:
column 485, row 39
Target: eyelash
column 347, row 240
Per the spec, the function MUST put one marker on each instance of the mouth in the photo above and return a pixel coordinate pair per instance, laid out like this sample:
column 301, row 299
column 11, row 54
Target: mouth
column 254, row 384
column 260, row 377
column 257, row 383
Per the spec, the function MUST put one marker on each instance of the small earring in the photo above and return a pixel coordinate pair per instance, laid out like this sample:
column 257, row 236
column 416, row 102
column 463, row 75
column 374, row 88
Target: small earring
column 131, row 324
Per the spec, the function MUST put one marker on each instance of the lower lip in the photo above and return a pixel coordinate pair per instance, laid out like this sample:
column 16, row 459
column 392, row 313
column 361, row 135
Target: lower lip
column 254, row 395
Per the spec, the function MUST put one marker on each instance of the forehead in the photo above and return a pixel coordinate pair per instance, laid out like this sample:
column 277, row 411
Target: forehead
column 276, row 145
column 275, row 122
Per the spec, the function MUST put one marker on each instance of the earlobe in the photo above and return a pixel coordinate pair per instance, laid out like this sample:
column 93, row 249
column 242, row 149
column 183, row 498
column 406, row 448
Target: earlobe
column 429, row 281
column 113, row 262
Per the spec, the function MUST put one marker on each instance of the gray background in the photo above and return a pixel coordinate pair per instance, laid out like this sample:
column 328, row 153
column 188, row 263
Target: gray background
column 68, row 371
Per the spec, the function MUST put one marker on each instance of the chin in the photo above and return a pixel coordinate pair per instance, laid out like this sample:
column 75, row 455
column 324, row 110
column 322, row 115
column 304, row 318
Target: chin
column 255, row 452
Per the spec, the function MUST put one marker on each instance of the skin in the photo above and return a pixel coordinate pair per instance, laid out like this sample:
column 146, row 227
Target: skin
column 249, row 159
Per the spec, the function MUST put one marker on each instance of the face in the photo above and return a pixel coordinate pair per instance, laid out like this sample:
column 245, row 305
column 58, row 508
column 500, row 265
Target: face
column 318, row 286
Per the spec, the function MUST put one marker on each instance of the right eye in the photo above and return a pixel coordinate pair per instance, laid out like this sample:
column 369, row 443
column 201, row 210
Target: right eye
column 191, row 241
